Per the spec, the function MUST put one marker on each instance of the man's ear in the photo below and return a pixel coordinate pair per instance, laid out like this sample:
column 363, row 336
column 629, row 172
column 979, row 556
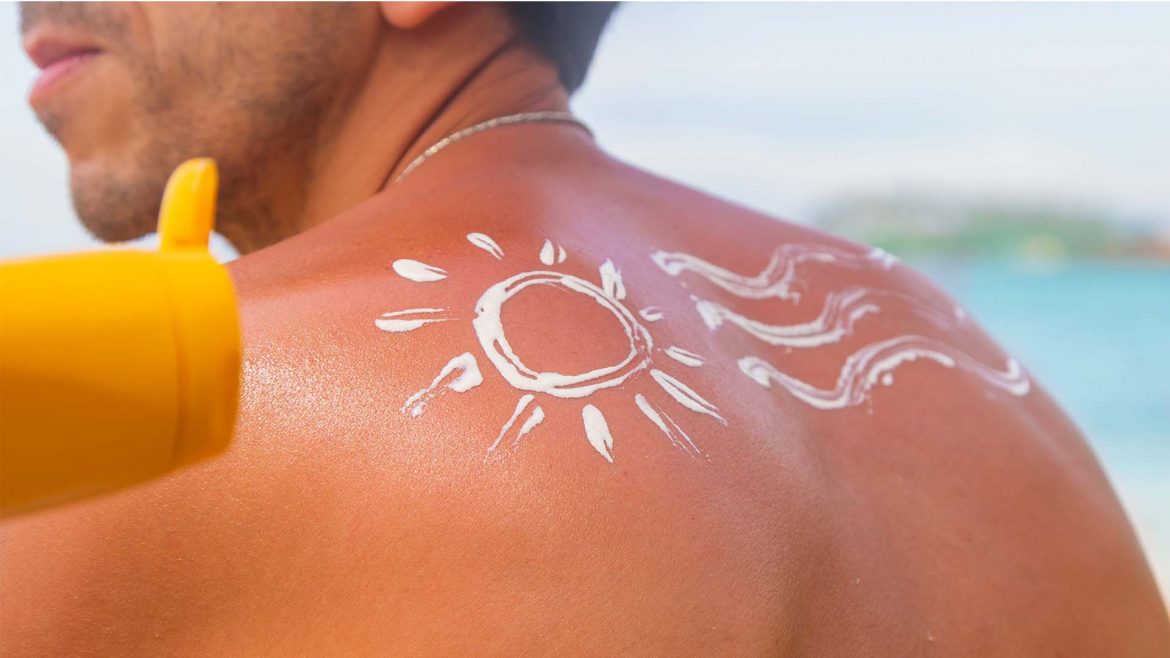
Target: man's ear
column 409, row 15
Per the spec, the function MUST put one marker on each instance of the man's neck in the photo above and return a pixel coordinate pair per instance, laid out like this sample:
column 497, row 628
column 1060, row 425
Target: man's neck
column 423, row 85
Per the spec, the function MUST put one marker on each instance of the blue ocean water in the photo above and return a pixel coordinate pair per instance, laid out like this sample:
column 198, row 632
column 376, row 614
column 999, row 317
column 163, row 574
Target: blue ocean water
column 1097, row 336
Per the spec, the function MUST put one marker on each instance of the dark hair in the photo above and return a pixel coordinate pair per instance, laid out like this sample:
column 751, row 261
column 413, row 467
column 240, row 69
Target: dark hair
column 567, row 32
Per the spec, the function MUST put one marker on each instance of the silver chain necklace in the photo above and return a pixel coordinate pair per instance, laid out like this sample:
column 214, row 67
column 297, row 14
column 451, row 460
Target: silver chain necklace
column 506, row 120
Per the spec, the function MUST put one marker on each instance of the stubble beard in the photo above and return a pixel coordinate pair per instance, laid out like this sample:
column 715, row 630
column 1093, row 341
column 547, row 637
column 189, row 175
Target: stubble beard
column 122, row 203
column 251, row 128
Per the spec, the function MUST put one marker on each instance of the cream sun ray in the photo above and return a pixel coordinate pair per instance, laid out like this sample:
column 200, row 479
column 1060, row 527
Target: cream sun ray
column 611, row 280
column 778, row 276
column 685, row 357
column 683, row 395
column 418, row 272
column 461, row 374
column 875, row 363
column 552, row 253
column 487, row 244
column 409, row 320
column 521, row 404
column 678, row 438
column 535, row 418
column 651, row 314
column 597, row 431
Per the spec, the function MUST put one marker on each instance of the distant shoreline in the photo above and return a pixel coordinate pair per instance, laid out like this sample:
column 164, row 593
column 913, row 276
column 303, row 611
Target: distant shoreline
column 925, row 226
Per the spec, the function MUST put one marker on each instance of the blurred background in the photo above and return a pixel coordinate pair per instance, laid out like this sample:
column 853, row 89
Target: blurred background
column 1020, row 154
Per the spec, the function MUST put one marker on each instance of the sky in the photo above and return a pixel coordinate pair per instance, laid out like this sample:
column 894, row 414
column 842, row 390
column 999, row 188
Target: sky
column 786, row 107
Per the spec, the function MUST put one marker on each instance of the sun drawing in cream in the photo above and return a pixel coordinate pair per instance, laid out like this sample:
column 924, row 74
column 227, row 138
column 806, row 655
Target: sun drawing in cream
column 643, row 360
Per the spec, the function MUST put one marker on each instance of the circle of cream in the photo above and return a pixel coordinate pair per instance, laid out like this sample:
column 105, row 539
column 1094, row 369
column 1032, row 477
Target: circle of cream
column 490, row 331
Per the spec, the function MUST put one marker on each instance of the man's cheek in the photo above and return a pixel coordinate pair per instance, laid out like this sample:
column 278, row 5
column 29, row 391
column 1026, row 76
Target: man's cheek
column 99, row 117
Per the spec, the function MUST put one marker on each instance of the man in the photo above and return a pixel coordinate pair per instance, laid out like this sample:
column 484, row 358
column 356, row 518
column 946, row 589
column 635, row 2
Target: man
column 505, row 396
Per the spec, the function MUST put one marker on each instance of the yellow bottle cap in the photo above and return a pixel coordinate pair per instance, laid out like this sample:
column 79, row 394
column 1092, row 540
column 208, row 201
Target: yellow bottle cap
column 205, row 318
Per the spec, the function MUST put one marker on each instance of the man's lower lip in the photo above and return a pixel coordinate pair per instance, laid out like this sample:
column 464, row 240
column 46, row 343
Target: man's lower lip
column 55, row 74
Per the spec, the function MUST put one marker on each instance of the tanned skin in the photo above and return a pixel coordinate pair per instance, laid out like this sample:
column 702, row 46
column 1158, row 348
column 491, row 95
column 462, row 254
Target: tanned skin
column 942, row 517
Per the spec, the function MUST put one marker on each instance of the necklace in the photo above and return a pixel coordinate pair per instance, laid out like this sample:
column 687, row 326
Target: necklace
column 506, row 120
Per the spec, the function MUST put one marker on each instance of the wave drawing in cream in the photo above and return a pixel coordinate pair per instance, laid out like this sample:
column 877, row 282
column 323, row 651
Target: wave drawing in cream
column 643, row 367
column 835, row 320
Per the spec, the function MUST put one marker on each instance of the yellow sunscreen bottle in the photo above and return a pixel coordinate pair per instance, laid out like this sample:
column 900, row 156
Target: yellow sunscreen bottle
column 118, row 366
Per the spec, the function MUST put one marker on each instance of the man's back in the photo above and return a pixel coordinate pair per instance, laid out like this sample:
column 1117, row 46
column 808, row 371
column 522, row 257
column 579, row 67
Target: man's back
column 557, row 406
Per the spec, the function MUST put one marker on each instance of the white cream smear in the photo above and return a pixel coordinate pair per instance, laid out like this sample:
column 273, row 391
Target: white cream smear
column 487, row 244
column 552, row 254
column 685, row 396
column 835, row 321
column 409, row 320
column 461, row 374
column 534, row 418
column 597, row 431
column 418, row 272
column 778, row 276
column 875, row 364
column 677, row 437
column 684, row 357
column 651, row 314
column 840, row 312
column 611, row 281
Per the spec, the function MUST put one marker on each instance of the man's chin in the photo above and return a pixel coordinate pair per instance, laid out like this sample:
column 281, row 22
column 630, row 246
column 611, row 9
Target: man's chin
column 115, row 232
column 116, row 211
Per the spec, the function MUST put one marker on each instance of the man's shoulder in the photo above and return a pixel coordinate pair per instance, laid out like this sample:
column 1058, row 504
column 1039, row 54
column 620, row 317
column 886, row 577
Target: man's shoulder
column 528, row 401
